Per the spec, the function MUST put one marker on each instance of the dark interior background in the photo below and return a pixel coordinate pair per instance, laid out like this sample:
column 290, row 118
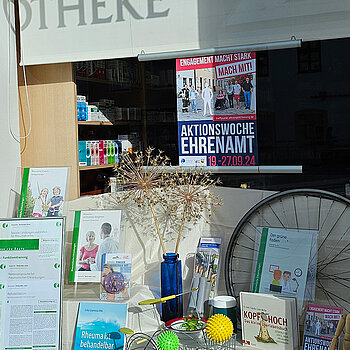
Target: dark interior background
column 303, row 114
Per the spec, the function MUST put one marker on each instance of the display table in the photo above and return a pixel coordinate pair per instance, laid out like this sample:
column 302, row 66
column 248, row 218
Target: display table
column 143, row 244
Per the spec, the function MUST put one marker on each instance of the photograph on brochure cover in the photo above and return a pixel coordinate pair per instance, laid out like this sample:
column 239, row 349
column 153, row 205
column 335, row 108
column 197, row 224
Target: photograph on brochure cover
column 96, row 232
column 43, row 192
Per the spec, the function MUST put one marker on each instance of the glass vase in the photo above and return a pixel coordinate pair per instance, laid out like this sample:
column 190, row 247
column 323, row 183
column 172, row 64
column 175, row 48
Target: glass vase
column 171, row 283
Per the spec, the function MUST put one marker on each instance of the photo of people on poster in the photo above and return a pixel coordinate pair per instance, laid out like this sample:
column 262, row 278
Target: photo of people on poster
column 216, row 110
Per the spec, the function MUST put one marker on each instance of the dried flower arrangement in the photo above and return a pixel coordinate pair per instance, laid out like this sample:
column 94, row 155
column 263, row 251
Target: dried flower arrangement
column 184, row 193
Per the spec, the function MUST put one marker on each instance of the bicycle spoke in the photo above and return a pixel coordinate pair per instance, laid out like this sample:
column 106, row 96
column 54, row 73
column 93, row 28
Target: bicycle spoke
column 247, row 235
column 335, row 280
column 328, row 213
column 342, row 250
column 284, row 212
column 327, row 294
column 333, row 262
column 337, row 273
column 277, row 216
column 332, row 276
column 295, row 213
column 331, row 295
column 330, row 231
column 249, row 248
column 243, row 258
column 262, row 216
column 241, row 271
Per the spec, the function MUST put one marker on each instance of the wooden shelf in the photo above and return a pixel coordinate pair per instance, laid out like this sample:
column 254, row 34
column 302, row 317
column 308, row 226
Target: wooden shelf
column 94, row 123
column 93, row 167
column 91, row 193
column 117, row 122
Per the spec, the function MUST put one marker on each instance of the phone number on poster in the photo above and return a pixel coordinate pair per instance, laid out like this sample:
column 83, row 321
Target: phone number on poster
column 231, row 160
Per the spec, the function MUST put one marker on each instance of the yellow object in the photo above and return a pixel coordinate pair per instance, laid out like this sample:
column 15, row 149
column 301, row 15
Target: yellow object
column 164, row 299
column 141, row 341
column 126, row 331
column 156, row 301
column 219, row 328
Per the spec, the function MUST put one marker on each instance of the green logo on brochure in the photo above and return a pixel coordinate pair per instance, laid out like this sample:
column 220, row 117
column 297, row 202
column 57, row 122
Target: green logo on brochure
column 2, row 286
column 56, row 285
column 57, row 265
column 58, row 224
column 2, row 266
column 5, row 225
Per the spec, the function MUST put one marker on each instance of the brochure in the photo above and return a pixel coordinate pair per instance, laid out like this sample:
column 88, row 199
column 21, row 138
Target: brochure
column 268, row 321
column 283, row 263
column 43, row 192
column 95, row 233
column 320, row 325
column 30, row 283
column 98, row 326
column 115, row 277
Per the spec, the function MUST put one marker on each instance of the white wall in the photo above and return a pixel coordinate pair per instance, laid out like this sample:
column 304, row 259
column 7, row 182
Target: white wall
column 9, row 120
column 88, row 33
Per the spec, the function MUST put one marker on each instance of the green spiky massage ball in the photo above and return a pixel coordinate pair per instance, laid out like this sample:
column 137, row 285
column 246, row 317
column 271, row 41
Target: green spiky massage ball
column 168, row 341
column 219, row 328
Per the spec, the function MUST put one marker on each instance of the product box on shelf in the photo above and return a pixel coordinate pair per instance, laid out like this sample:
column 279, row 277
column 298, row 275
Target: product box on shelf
column 110, row 152
column 93, row 113
column 94, row 152
column 82, row 109
column 83, row 153
column 125, row 113
column 105, row 158
column 117, row 147
column 81, row 69
column 102, row 152
column 103, row 110
column 126, row 146
column 96, row 69
column 135, row 140
column 81, row 98
column 88, row 153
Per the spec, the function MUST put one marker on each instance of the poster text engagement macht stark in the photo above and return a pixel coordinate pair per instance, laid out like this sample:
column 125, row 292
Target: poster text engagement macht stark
column 216, row 107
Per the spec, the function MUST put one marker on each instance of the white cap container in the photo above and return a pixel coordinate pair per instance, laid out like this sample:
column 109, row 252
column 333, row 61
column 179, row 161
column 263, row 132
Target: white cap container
column 224, row 302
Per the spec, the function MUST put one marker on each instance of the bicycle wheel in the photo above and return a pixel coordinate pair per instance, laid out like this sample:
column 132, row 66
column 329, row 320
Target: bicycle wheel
column 301, row 209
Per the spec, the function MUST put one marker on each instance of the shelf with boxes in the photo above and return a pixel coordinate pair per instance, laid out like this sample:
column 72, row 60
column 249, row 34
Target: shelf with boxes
column 109, row 113
column 114, row 72
column 99, row 153
column 127, row 102
column 105, row 111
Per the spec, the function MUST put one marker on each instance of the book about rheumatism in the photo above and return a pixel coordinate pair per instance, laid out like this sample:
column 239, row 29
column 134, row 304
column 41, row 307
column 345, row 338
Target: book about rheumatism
column 98, row 326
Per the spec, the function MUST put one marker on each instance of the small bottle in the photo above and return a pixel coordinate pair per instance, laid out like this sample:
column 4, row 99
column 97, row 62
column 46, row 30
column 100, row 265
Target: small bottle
column 113, row 184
